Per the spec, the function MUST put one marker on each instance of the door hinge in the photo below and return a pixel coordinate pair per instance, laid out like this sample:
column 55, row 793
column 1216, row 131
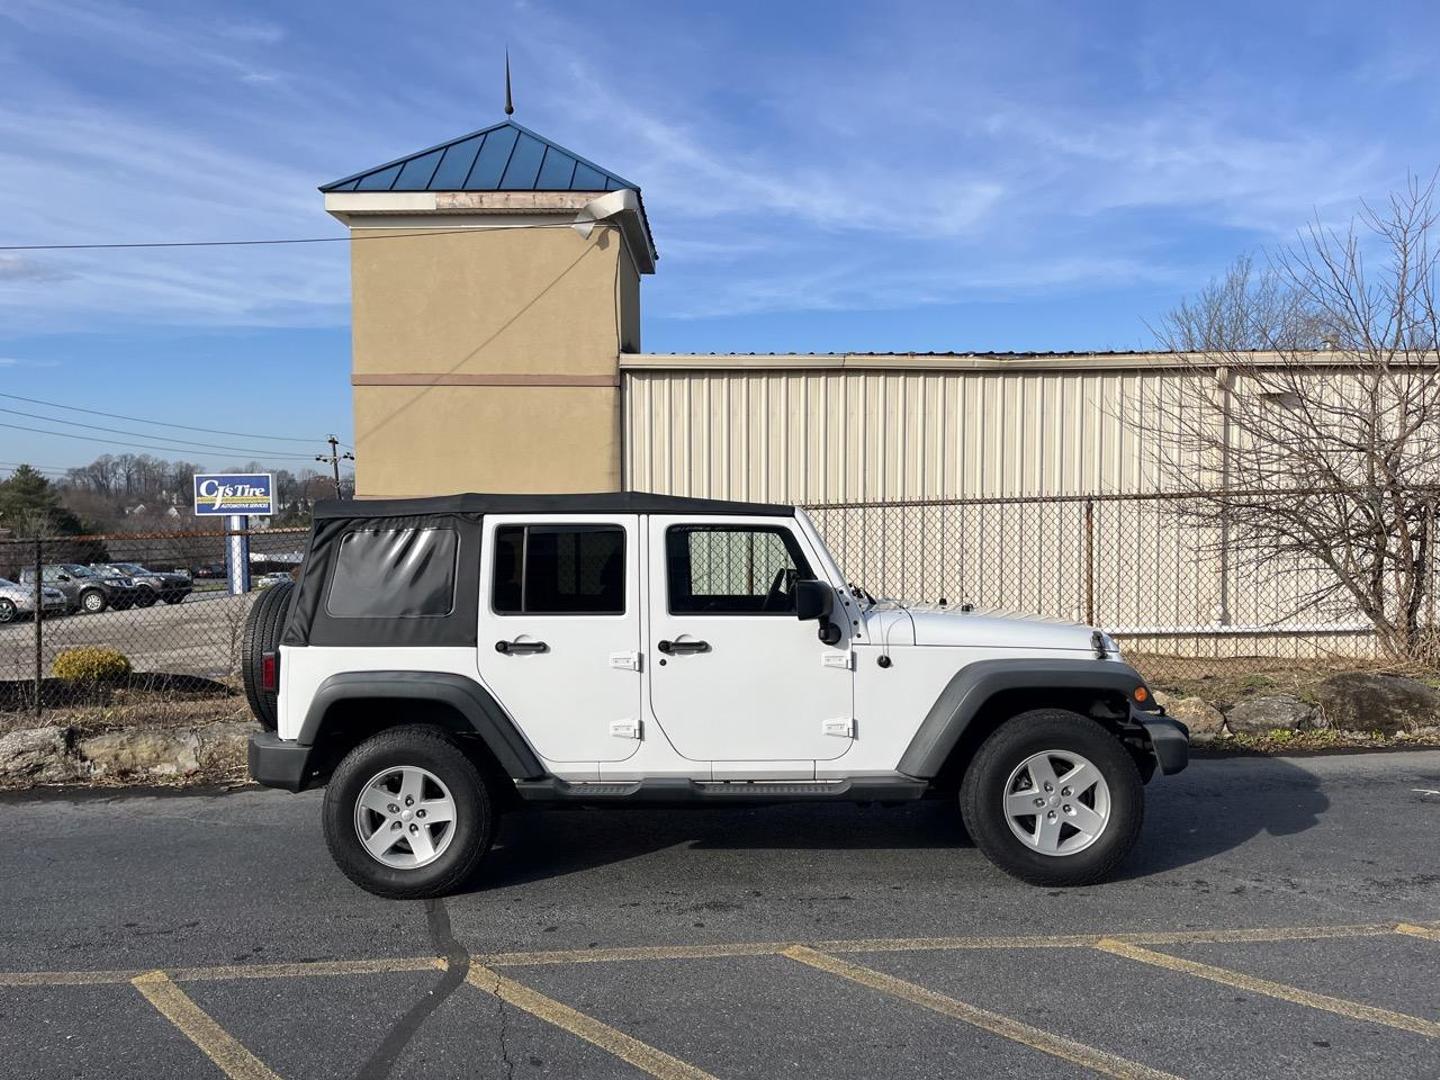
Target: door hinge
column 625, row 729
column 625, row 661
column 837, row 660
column 843, row 727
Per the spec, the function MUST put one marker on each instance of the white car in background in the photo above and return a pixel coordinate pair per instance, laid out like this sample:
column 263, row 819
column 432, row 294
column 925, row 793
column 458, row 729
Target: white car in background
column 18, row 601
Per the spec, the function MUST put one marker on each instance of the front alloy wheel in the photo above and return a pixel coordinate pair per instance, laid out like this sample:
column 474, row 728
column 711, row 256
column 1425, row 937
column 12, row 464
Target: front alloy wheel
column 1053, row 798
column 1057, row 803
column 8, row 610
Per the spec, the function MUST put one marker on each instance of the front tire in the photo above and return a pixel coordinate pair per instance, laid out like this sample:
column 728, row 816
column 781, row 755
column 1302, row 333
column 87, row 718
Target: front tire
column 145, row 598
column 377, row 825
column 1081, row 784
column 8, row 611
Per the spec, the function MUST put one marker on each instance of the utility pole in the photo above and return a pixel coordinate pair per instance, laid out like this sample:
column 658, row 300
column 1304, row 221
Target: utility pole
column 334, row 458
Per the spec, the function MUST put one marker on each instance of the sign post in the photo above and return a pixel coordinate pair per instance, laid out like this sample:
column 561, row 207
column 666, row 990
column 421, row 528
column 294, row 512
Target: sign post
column 235, row 496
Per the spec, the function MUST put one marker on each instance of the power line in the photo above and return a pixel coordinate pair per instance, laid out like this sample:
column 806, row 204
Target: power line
column 119, row 442
column 295, row 239
column 157, row 423
column 182, row 444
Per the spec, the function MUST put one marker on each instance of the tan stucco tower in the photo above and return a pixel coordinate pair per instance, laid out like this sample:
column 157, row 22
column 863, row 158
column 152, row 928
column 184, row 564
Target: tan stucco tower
column 495, row 282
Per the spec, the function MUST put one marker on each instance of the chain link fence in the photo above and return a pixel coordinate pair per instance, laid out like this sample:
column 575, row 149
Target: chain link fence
column 162, row 600
column 1181, row 597
column 1168, row 588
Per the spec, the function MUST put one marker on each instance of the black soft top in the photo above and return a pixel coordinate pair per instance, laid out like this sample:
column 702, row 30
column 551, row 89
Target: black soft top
column 603, row 502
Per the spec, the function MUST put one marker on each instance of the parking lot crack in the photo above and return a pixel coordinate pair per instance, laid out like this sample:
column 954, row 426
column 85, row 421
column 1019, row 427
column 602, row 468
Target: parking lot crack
column 457, row 965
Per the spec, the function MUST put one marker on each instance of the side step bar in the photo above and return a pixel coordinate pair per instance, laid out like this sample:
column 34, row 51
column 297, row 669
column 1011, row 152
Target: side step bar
column 679, row 791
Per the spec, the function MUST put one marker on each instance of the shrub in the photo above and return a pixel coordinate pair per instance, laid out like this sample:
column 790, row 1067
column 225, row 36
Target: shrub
column 91, row 664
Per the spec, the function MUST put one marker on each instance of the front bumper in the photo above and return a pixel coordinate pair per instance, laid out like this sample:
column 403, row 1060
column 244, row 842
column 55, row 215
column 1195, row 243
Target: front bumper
column 278, row 763
column 1169, row 740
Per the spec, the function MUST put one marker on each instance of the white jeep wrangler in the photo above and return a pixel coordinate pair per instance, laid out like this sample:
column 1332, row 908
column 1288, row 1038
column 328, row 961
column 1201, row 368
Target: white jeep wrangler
column 443, row 660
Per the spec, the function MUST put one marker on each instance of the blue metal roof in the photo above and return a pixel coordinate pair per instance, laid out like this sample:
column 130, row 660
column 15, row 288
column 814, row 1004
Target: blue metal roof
column 504, row 157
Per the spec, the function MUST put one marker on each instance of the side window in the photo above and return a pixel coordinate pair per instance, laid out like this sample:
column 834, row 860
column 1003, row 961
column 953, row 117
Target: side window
column 50, row 573
column 394, row 574
column 732, row 570
column 559, row 570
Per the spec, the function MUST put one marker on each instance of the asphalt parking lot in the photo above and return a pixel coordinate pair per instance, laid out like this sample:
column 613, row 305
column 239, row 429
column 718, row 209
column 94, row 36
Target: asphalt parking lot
column 1281, row 918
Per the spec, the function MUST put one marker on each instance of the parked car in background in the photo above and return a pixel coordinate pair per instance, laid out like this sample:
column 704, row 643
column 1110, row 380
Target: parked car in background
column 17, row 601
column 209, row 570
column 85, row 589
column 152, row 584
column 264, row 581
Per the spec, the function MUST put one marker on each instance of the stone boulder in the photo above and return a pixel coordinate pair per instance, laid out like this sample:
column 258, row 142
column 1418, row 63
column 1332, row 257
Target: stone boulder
column 140, row 752
column 1258, row 715
column 37, row 756
column 1204, row 720
column 1390, row 704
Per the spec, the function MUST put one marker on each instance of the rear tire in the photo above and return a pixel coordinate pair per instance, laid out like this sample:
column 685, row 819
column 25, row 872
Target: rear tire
column 412, row 748
column 92, row 602
column 8, row 611
column 263, row 628
column 1060, row 854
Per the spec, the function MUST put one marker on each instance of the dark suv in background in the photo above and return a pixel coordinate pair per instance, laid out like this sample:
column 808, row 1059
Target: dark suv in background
column 85, row 589
column 151, row 585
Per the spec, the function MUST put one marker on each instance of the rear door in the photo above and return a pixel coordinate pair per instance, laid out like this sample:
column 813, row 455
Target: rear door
column 559, row 643
column 734, row 675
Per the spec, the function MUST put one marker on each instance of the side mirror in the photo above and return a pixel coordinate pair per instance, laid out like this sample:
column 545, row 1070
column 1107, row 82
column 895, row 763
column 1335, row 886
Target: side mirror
column 813, row 600
column 62, row 577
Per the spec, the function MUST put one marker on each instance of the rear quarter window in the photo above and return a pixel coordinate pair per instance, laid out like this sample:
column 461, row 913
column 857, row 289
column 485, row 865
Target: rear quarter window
column 394, row 574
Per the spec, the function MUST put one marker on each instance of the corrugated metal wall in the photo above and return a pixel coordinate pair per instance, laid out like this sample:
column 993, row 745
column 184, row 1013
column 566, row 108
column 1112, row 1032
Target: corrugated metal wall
column 813, row 435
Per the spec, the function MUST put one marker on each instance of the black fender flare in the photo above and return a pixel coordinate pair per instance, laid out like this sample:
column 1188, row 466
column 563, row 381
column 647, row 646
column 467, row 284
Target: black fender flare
column 466, row 696
column 975, row 684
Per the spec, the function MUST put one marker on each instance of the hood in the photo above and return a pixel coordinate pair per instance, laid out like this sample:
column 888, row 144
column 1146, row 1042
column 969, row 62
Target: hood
column 984, row 630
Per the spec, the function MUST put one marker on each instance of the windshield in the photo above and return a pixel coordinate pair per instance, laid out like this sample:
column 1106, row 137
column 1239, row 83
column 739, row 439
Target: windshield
column 6, row 583
column 75, row 570
column 129, row 568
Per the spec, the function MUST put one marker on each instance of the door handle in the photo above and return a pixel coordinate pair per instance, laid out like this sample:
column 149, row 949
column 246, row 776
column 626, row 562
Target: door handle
column 674, row 648
column 516, row 648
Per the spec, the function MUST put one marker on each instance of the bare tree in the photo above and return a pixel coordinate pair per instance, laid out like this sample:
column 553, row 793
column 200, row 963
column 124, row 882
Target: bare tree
column 1304, row 419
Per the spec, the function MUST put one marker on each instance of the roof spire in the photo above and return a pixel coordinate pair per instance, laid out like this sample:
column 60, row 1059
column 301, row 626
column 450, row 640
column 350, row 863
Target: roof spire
column 509, row 101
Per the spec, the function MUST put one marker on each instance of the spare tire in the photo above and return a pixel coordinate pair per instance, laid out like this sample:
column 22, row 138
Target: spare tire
column 263, row 627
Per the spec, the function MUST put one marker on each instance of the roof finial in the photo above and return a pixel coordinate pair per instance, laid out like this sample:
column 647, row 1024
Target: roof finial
column 509, row 101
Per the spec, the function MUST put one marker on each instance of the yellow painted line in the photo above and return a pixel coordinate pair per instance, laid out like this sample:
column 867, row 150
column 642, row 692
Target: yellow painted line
column 708, row 952
column 200, row 1028
column 66, row 978
column 627, row 1048
column 1262, row 934
column 1352, row 1010
column 303, row 968
column 1410, row 929
column 1046, row 1042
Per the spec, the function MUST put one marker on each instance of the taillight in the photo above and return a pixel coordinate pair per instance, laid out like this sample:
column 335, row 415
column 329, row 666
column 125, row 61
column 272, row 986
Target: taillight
column 270, row 672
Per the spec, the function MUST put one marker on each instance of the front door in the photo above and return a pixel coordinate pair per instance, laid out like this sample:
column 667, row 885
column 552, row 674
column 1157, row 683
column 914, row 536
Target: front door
column 734, row 675
column 560, row 631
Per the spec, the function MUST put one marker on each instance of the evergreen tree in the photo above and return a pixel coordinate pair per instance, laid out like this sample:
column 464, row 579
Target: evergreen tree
column 30, row 506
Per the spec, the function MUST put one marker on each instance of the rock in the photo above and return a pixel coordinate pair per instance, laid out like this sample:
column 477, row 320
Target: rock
column 225, row 742
column 1204, row 720
column 37, row 756
column 1390, row 704
column 153, row 753
column 1257, row 715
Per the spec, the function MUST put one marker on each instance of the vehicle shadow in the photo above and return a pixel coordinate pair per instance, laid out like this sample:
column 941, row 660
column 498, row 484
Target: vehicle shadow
column 534, row 845
column 1217, row 805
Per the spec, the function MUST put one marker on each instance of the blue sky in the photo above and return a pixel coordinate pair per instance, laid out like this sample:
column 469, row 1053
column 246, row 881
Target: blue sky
column 819, row 176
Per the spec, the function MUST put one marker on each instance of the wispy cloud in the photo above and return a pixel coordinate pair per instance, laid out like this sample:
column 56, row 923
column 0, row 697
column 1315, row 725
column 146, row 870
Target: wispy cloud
column 853, row 156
